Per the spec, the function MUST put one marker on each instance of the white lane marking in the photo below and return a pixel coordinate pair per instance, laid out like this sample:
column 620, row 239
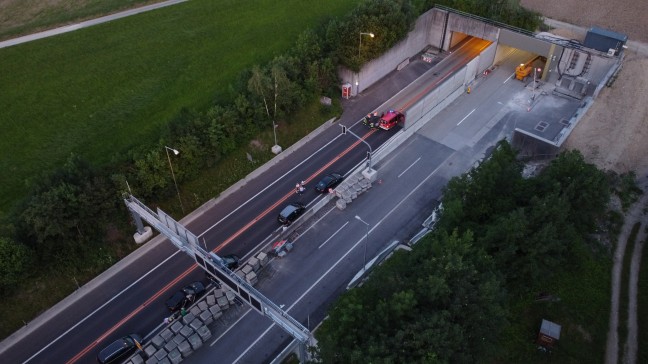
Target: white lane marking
column 466, row 117
column 100, row 307
column 499, row 102
column 342, row 258
column 270, row 185
column 509, row 77
column 231, row 327
column 410, row 166
column 315, row 223
column 332, row 236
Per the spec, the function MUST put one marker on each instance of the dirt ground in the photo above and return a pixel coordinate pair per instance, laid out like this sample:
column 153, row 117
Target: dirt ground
column 613, row 134
column 624, row 16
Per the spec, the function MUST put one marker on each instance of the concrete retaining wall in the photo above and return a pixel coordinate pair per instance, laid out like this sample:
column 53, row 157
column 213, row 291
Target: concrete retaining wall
column 476, row 28
column 487, row 57
column 434, row 98
column 427, row 30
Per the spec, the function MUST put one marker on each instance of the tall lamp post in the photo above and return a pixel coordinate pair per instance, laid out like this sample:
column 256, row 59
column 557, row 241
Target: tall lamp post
column 364, row 265
column 360, row 45
column 175, row 152
column 359, row 55
column 534, row 80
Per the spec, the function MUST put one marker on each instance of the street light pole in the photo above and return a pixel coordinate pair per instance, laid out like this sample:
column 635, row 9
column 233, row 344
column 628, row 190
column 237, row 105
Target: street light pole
column 175, row 152
column 360, row 45
column 359, row 58
column 364, row 265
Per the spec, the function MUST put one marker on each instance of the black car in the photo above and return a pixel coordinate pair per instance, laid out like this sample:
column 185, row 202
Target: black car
column 186, row 296
column 231, row 261
column 329, row 181
column 120, row 349
column 291, row 212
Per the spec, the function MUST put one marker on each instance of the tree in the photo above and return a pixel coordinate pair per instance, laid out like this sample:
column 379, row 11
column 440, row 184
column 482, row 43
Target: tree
column 15, row 259
column 442, row 302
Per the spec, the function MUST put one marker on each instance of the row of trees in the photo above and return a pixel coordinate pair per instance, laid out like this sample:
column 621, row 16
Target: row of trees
column 67, row 214
column 499, row 235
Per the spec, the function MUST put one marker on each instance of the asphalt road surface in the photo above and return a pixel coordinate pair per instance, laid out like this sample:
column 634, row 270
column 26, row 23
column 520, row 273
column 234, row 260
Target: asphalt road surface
column 330, row 251
column 133, row 299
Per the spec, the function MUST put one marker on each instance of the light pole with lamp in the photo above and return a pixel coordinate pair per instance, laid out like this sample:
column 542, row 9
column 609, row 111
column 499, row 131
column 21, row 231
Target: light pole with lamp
column 175, row 152
column 534, row 80
column 364, row 265
column 359, row 54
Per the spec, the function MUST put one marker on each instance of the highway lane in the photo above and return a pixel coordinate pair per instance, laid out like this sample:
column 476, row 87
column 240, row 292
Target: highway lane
column 331, row 251
column 148, row 295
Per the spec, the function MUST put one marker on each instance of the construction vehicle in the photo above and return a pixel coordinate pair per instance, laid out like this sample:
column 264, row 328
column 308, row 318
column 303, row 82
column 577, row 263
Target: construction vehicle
column 523, row 70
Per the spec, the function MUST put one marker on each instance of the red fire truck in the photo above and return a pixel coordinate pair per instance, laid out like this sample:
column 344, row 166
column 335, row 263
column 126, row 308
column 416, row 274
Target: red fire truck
column 391, row 119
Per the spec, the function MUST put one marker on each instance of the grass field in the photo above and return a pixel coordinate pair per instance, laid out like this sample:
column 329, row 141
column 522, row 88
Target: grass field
column 96, row 92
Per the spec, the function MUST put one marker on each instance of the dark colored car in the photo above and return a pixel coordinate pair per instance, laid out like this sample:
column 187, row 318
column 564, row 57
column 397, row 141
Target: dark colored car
column 231, row 261
column 329, row 181
column 120, row 349
column 186, row 296
column 291, row 212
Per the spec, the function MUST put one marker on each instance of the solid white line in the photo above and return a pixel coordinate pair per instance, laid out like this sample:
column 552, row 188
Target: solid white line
column 509, row 77
column 342, row 258
column 466, row 117
column 410, row 166
column 100, row 307
column 231, row 326
column 335, row 233
column 270, row 185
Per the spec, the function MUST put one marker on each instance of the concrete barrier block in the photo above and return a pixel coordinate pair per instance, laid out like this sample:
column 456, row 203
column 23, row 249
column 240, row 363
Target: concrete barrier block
column 149, row 350
column 195, row 324
column 174, row 356
column 186, row 319
column 246, row 269
column 178, row 339
column 185, row 349
column 165, row 360
column 210, row 300
column 176, row 327
column 251, row 278
column 222, row 302
column 206, row 317
column 171, row 345
column 186, row 331
column 340, row 204
column 204, row 333
column 240, row 274
column 137, row 359
column 254, row 263
column 216, row 312
column 151, row 360
column 195, row 310
column 230, row 296
column 160, row 354
column 157, row 341
column 263, row 258
column 166, row 334
column 218, row 292
column 195, row 341
column 202, row 305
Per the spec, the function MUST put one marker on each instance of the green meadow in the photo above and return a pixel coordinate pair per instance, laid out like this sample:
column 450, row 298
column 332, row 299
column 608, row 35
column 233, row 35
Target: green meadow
column 99, row 91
